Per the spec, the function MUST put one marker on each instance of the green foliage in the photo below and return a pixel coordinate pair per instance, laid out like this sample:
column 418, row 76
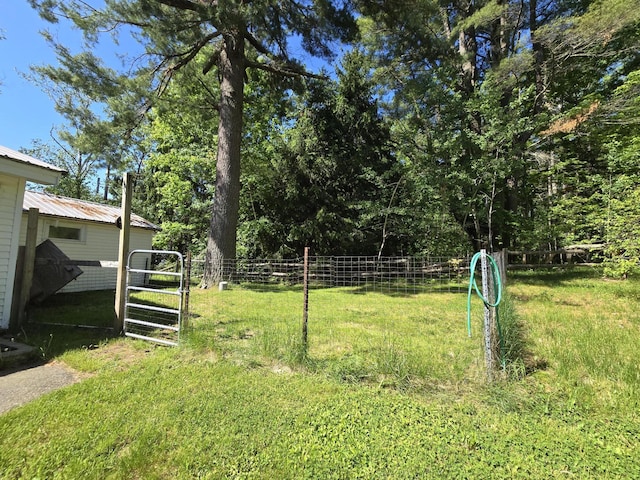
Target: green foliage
column 486, row 15
column 466, row 138
column 446, row 128
column 227, row 37
column 81, row 168
column 331, row 185
column 589, row 140
column 176, row 184
column 623, row 248
column 513, row 138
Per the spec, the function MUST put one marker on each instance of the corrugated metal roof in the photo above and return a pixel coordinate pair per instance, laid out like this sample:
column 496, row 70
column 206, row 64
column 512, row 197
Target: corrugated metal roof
column 72, row 208
column 21, row 157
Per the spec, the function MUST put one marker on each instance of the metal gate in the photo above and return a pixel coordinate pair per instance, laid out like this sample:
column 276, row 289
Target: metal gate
column 154, row 296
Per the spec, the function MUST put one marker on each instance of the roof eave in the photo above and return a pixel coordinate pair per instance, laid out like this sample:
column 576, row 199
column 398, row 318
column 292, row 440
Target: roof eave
column 149, row 226
column 32, row 173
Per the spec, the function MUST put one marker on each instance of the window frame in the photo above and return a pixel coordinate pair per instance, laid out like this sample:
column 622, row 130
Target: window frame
column 82, row 231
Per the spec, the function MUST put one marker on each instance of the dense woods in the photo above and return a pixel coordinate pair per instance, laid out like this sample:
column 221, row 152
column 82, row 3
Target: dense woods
column 425, row 126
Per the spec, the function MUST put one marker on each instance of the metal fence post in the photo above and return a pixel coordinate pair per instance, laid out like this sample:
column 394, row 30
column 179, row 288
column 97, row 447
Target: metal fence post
column 305, row 313
column 186, row 291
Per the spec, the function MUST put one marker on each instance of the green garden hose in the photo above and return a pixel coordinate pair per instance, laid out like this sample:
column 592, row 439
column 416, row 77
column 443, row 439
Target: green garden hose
column 497, row 282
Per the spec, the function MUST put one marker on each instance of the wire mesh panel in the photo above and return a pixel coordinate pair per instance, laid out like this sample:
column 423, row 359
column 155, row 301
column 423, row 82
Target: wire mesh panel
column 94, row 278
column 381, row 274
column 388, row 320
column 154, row 295
column 390, row 274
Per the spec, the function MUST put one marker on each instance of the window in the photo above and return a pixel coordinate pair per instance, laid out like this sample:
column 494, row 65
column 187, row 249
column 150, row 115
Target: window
column 65, row 233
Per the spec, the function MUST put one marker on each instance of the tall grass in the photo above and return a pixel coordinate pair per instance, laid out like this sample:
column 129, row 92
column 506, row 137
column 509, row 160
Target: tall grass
column 395, row 340
column 513, row 344
column 585, row 331
column 578, row 333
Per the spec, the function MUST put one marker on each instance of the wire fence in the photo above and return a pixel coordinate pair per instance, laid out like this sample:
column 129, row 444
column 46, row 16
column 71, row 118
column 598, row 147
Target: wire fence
column 364, row 312
column 393, row 320
column 376, row 274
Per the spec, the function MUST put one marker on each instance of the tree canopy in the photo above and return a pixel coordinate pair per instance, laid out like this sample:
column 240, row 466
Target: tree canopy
column 447, row 126
column 229, row 37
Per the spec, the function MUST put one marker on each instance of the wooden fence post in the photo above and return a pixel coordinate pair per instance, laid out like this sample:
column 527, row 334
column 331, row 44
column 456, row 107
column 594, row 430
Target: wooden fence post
column 501, row 257
column 28, row 265
column 123, row 252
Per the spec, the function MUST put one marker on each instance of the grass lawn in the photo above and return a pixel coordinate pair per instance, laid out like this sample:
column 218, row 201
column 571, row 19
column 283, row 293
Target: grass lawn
column 390, row 387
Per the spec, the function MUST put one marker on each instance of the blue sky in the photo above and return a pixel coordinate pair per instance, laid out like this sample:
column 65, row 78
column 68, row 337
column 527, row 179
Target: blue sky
column 26, row 112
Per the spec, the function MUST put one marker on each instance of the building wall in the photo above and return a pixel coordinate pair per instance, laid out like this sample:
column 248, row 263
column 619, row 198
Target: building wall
column 97, row 241
column 11, row 195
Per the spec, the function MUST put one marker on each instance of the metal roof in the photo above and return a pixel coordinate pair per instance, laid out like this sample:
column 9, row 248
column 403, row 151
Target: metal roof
column 74, row 209
column 21, row 157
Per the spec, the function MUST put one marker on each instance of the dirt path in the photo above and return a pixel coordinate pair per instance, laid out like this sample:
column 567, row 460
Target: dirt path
column 23, row 383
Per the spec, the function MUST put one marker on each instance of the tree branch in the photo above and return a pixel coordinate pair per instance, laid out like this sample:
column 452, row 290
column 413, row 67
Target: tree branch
column 212, row 60
column 186, row 58
column 214, row 104
column 256, row 44
column 197, row 6
column 190, row 54
column 284, row 70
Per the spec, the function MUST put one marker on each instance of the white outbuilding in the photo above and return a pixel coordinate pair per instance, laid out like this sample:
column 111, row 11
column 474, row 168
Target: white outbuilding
column 87, row 232
column 16, row 169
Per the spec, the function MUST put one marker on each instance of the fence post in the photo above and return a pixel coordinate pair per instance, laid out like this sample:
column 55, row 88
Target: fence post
column 488, row 315
column 305, row 288
column 123, row 251
column 28, row 265
column 501, row 257
column 187, row 291
column 504, row 265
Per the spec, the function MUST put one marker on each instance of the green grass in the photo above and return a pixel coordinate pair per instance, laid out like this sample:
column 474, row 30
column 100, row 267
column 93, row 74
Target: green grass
column 390, row 387
column 381, row 338
column 95, row 308
column 52, row 327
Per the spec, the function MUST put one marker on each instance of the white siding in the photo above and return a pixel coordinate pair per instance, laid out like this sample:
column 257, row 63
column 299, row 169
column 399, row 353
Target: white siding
column 99, row 242
column 11, row 193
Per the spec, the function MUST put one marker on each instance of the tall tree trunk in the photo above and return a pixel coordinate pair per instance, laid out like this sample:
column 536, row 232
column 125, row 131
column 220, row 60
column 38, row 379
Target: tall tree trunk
column 538, row 56
column 107, row 176
column 467, row 50
column 221, row 243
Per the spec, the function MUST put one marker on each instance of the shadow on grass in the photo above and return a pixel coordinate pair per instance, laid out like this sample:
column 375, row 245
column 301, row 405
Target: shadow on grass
column 554, row 276
column 406, row 291
column 69, row 321
column 268, row 287
column 515, row 347
column 400, row 290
